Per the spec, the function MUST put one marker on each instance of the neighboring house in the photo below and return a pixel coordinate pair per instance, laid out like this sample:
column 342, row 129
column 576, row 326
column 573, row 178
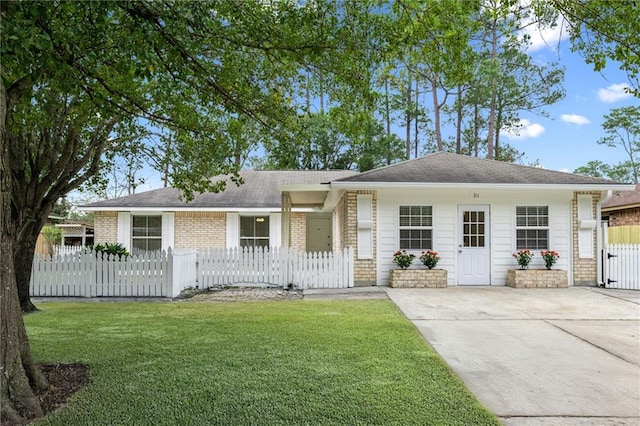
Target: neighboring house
column 623, row 208
column 474, row 212
column 74, row 233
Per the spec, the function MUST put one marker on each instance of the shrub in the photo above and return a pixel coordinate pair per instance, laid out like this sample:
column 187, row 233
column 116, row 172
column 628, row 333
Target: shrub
column 429, row 258
column 403, row 259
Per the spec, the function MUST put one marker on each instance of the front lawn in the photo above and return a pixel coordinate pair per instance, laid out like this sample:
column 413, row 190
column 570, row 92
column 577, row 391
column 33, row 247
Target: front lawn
column 297, row 362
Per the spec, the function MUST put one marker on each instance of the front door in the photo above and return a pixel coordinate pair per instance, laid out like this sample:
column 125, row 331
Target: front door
column 474, row 253
column 318, row 232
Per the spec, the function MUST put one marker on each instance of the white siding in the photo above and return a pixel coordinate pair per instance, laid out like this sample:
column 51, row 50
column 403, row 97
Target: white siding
column 445, row 227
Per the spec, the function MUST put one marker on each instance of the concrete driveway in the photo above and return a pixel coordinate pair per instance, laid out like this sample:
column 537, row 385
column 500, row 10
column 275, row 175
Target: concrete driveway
column 537, row 356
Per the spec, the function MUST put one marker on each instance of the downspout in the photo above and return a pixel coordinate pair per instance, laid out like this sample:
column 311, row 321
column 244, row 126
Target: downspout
column 599, row 248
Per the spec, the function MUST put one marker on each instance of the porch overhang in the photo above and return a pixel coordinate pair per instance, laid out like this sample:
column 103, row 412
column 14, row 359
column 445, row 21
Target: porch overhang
column 306, row 196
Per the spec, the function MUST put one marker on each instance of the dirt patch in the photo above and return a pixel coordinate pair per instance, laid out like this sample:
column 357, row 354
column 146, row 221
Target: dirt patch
column 64, row 381
column 246, row 294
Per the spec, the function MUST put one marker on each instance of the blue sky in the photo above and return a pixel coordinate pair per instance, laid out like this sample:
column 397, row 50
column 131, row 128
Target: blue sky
column 567, row 139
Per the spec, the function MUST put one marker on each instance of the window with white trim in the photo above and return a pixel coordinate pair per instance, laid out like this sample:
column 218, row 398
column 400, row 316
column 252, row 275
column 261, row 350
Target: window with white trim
column 416, row 227
column 254, row 231
column 146, row 233
column 532, row 227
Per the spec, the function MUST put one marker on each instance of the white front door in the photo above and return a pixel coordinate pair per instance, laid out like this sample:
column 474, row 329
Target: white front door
column 474, row 253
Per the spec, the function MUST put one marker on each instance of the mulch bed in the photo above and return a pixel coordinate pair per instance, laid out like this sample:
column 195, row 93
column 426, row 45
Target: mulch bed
column 64, row 381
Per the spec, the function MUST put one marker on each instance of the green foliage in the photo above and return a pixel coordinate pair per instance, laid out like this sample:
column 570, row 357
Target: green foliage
column 52, row 235
column 115, row 249
column 297, row 362
column 604, row 32
column 622, row 128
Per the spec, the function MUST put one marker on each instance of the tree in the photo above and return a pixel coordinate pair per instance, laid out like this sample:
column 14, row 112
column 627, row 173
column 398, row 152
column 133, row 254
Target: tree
column 622, row 126
column 604, row 31
column 620, row 172
column 77, row 75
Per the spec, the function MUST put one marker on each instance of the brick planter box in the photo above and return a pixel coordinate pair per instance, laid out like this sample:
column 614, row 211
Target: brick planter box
column 418, row 278
column 537, row 278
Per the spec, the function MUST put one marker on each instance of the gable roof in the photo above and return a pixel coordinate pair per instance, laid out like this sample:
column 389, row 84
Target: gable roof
column 623, row 200
column 448, row 168
column 261, row 189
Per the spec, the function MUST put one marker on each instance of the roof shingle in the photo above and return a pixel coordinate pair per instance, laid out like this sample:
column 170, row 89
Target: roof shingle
column 446, row 167
column 261, row 189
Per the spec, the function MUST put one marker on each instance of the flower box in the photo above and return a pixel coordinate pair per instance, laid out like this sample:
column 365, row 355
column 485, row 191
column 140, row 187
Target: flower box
column 418, row 278
column 537, row 278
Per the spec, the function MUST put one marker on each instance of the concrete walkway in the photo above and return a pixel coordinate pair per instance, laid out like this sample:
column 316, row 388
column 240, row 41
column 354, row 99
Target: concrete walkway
column 537, row 356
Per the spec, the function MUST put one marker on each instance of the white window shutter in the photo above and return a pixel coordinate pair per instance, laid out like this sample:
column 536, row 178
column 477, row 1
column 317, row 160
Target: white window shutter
column 167, row 230
column 124, row 229
column 586, row 225
column 275, row 225
column 233, row 230
column 365, row 226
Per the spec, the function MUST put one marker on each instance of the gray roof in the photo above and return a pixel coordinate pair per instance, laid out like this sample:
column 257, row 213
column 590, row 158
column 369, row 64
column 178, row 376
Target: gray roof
column 622, row 200
column 261, row 189
column 446, row 167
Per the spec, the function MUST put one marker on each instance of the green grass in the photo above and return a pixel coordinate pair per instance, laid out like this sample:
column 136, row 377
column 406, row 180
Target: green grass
column 298, row 362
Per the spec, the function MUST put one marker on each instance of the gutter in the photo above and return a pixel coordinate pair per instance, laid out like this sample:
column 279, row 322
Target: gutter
column 599, row 247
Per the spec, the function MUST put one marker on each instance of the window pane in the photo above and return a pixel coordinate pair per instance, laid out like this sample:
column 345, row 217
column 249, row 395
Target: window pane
column 262, row 226
column 246, row 226
column 404, row 210
column 154, row 224
column 481, row 217
column 154, row 244
column 404, row 221
column 139, row 226
column 140, row 244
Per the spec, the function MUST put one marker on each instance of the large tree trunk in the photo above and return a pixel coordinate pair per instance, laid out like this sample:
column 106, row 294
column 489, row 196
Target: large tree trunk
column 20, row 378
column 24, row 251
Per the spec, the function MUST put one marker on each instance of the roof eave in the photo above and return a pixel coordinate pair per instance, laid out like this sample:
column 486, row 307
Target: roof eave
column 449, row 185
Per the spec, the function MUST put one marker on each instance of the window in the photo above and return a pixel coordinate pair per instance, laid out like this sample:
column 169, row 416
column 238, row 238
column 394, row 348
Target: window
column 416, row 232
column 147, row 233
column 254, row 231
column 532, row 227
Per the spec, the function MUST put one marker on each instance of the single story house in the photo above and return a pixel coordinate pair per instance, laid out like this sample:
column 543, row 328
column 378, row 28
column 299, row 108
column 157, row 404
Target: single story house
column 474, row 212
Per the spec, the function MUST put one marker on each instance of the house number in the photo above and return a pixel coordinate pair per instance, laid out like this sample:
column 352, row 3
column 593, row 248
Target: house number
column 476, row 195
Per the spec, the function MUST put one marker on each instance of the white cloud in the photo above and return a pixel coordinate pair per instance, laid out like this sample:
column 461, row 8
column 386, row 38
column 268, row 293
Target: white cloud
column 524, row 129
column 614, row 93
column 541, row 37
column 574, row 119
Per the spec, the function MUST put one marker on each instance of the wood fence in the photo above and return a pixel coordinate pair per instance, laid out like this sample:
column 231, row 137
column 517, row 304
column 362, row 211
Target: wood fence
column 622, row 266
column 166, row 274
column 627, row 234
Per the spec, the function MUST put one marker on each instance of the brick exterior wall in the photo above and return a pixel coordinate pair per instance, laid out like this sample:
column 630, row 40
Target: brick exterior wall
column 625, row 217
column 537, row 278
column 585, row 270
column 200, row 229
column 105, row 225
column 418, row 278
column 299, row 231
column 364, row 270
column 339, row 225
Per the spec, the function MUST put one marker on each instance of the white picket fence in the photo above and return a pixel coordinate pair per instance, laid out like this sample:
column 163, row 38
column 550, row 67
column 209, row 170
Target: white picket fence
column 166, row 274
column 85, row 274
column 276, row 266
column 622, row 266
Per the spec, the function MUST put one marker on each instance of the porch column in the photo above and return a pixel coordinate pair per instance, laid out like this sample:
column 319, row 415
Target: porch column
column 285, row 230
